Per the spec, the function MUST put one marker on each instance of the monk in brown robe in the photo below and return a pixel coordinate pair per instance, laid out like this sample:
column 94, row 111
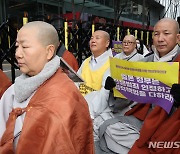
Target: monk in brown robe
column 43, row 112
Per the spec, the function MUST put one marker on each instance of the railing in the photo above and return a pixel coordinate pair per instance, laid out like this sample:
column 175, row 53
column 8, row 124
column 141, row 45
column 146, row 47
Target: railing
column 7, row 47
column 77, row 40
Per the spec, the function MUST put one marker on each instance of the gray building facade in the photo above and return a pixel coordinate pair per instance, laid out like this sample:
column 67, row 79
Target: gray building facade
column 143, row 12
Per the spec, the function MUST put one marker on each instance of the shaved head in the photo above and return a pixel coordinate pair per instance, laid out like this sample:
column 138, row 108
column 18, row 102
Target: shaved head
column 129, row 44
column 173, row 22
column 166, row 35
column 106, row 34
column 99, row 42
column 36, row 45
column 46, row 33
column 130, row 37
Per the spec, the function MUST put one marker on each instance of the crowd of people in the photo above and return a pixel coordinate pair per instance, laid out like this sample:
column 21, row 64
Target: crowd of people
column 45, row 110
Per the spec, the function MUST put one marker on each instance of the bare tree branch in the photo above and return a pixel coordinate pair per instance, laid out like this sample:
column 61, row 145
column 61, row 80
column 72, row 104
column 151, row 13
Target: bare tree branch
column 118, row 10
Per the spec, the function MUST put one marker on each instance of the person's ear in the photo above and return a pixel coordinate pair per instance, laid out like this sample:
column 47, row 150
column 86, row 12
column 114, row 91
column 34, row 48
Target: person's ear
column 107, row 43
column 50, row 51
column 178, row 38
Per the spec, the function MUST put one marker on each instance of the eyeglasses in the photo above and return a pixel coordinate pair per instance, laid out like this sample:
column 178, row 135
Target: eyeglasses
column 127, row 43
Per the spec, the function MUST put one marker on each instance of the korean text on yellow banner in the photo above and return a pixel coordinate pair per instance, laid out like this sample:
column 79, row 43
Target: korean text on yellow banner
column 145, row 82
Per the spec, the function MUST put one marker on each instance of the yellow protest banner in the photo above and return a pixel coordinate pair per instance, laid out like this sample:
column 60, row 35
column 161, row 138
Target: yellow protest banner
column 145, row 82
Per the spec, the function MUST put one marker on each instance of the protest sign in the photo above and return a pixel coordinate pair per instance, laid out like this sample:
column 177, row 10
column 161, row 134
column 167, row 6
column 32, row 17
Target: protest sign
column 145, row 82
